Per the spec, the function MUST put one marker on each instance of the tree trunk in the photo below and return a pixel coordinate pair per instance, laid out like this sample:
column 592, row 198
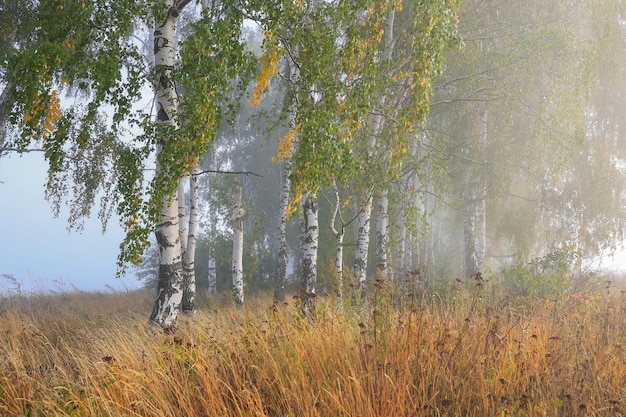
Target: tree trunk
column 182, row 216
column 189, row 255
column 382, row 237
column 279, row 284
column 212, row 270
column 474, row 221
column 5, row 102
column 169, row 283
column 309, row 252
column 481, row 207
column 403, row 233
column 469, row 236
column 212, row 274
column 362, row 246
column 339, row 235
column 364, row 217
column 237, row 264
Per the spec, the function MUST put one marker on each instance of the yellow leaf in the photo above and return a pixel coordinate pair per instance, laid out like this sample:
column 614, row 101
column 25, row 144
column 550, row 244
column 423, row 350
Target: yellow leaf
column 285, row 145
column 269, row 68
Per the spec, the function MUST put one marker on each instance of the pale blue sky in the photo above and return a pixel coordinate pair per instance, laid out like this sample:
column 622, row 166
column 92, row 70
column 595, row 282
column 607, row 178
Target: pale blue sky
column 37, row 249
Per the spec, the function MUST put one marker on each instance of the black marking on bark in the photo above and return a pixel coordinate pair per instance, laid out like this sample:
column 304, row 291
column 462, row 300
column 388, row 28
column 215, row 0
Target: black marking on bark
column 162, row 115
column 159, row 42
column 164, row 81
column 162, row 241
column 169, row 277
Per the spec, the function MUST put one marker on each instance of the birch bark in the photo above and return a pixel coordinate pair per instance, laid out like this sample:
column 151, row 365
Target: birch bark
column 339, row 235
column 309, row 251
column 363, row 220
column 169, row 284
column 279, row 285
column 382, row 236
column 382, row 216
column 212, row 270
column 474, row 220
column 182, row 216
column 362, row 246
column 237, row 261
column 189, row 253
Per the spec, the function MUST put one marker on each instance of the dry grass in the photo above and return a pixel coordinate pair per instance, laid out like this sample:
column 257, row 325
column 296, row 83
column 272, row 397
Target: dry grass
column 93, row 355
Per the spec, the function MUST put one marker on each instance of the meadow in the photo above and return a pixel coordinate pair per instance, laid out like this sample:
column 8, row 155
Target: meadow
column 473, row 351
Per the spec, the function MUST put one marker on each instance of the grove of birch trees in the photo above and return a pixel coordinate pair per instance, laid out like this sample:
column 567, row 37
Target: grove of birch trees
column 301, row 147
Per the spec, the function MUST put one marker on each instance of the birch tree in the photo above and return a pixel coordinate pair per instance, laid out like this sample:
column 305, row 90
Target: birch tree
column 212, row 221
column 237, row 261
column 310, row 244
column 281, row 275
column 474, row 217
column 169, row 229
column 86, row 50
column 189, row 252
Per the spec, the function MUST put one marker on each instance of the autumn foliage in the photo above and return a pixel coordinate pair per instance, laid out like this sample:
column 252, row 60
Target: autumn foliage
column 44, row 113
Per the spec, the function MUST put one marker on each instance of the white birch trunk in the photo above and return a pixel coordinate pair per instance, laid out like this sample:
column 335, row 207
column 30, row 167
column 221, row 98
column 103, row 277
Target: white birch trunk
column 279, row 284
column 212, row 270
column 364, row 217
column 5, row 99
column 469, row 235
column 382, row 238
column 169, row 284
column 237, row 261
column 212, row 274
column 182, row 216
column 362, row 246
column 401, row 261
column 420, row 254
column 339, row 235
column 189, row 254
column 474, row 221
column 481, row 207
column 382, row 216
column 309, row 251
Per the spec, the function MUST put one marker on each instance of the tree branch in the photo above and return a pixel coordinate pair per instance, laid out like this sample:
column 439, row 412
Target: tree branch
column 213, row 171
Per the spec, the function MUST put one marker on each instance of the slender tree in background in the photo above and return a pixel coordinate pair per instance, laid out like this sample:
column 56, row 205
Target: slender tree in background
column 189, row 253
column 338, row 227
column 373, row 151
column 281, row 274
column 310, row 244
column 474, row 220
column 237, row 262
column 212, row 221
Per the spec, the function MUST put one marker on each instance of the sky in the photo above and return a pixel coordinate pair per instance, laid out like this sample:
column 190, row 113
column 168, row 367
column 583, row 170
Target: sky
column 38, row 250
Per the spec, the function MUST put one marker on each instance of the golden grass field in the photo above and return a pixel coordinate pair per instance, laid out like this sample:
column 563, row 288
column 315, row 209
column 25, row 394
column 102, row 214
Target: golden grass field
column 475, row 352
